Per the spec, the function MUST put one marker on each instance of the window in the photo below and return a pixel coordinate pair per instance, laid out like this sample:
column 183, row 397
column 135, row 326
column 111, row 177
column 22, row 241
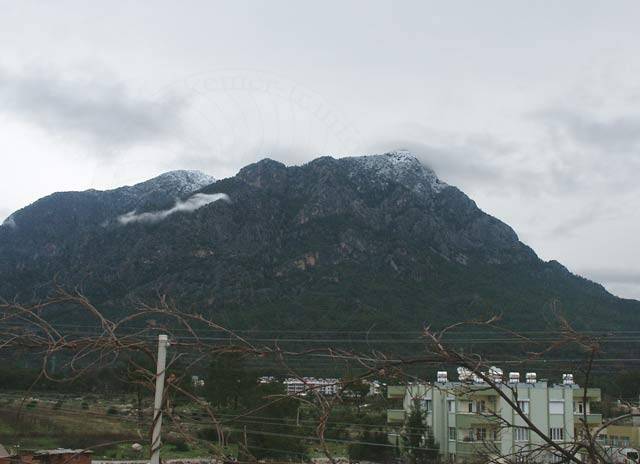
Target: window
column 524, row 406
column 469, row 435
column 470, row 406
column 481, row 434
column 481, row 406
column 495, row 434
column 521, row 434
column 556, row 433
column 579, row 408
column 452, row 433
column 426, row 405
column 556, row 407
column 556, row 458
column 451, row 405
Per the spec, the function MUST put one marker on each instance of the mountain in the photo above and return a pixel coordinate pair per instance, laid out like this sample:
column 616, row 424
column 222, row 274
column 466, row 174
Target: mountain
column 68, row 210
column 352, row 243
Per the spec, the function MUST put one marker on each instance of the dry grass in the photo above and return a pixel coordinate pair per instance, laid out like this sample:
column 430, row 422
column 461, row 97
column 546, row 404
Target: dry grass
column 43, row 426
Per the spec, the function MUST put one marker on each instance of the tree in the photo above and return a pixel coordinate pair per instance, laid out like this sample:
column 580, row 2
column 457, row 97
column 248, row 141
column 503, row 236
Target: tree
column 627, row 384
column 419, row 443
column 277, row 433
column 373, row 446
column 228, row 381
column 268, row 425
column 358, row 389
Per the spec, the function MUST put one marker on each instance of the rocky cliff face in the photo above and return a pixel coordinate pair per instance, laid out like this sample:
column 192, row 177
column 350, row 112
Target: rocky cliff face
column 349, row 242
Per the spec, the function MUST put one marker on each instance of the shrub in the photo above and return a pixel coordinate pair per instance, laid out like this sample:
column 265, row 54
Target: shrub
column 181, row 445
column 209, row 434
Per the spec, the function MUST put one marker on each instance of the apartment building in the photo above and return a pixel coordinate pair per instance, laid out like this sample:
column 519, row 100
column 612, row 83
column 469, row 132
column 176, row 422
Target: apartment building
column 467, row 418
column 302, row 386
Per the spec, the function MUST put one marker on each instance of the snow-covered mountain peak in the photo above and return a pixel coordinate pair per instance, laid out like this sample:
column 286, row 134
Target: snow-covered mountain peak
column 189, row 179
column 181, row 182
column 403, row 167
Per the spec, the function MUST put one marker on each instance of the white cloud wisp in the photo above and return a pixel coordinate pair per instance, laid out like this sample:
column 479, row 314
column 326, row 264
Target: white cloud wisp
column 193, row 203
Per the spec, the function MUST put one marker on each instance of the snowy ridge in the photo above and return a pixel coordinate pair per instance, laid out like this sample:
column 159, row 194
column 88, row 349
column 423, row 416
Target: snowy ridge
column 181, row 181
column 403, row 167
column 170, row 185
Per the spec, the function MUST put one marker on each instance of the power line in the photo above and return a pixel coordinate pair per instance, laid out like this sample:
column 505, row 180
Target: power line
column 328, row 331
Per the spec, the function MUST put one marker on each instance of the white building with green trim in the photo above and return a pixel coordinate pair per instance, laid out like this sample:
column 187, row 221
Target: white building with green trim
column 470, row 419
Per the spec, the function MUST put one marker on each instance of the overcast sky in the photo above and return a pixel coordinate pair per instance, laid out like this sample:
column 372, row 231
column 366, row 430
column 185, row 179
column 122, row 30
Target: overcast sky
column 532, row 108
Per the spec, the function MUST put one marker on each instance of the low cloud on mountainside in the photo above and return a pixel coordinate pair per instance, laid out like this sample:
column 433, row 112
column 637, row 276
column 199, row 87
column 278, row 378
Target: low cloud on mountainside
column 191, row 204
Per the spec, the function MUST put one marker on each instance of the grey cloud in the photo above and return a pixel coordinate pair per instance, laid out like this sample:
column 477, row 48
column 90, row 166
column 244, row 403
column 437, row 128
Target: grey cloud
column 8, row 222
column 590, row 152
column 617, row 276
column 469, row 161
column 621, row 282
column 614, row 135
column 191, row 204
column 595, row 212
column 631, row 291
column 574, row 154
column 99, row 110
column 542, row 167
column 570, row 226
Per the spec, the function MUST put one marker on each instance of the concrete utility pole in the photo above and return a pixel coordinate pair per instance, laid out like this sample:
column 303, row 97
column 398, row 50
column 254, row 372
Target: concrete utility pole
column 163, row 342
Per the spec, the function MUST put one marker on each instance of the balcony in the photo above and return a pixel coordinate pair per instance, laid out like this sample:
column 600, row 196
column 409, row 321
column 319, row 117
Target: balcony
column 592, row 419
column 395, row 416
column 593, row 394
column 396, row 391
column 467, row 420
column 470, row 448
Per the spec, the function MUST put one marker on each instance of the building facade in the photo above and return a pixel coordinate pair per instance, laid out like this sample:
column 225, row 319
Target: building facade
column 303, row 386
column 468, row 419
column 621, row 435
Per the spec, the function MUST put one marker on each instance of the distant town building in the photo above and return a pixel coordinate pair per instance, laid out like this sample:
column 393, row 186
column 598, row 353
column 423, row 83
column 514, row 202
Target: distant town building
column 375, row 387
column 466, row 418
column 305, row 385
column 197, row 382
